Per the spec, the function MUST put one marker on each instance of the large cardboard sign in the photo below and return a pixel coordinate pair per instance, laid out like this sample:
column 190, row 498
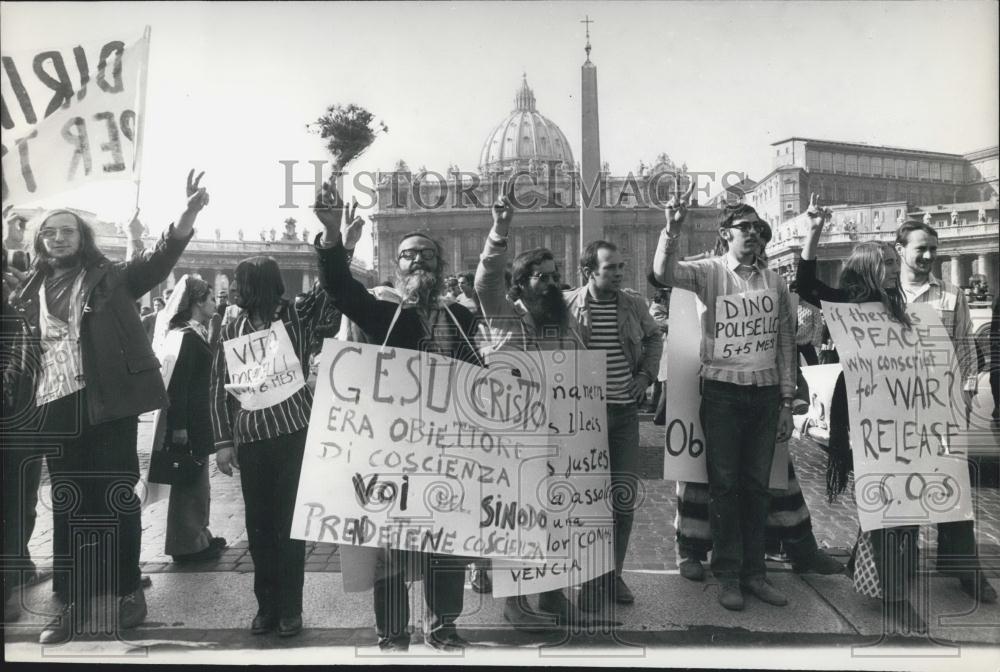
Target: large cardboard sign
column 904, row 397
column 415, row 451
column 72, row 115
column 578, row 494
column 684, row 456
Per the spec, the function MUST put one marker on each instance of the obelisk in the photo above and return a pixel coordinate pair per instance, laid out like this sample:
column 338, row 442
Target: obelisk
column 591, row 218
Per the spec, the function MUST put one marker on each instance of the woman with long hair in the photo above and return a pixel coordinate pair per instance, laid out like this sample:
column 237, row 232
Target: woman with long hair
column 188, row 423
column 870, row 274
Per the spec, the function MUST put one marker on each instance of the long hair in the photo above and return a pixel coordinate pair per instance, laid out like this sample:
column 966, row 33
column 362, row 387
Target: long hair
column 862, row 279
column 195, row 291
column 89, row 253
column 260, row 287
column 524, row 265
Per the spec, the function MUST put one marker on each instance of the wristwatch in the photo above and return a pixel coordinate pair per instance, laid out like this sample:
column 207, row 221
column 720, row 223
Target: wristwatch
column 786, row 402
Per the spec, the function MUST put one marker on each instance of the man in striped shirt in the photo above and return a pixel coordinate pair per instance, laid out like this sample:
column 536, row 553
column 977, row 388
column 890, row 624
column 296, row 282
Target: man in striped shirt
column 916, row 244
column 618, row 322
column 747, row 365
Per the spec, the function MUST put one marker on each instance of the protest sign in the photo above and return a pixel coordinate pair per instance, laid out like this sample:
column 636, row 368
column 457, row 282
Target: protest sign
column 746, row 330
column 578, row 494
column 71, row 116
column 167, row 351
column 416, row 451
column 684, row 454
column 263, row 367
column 905, row 407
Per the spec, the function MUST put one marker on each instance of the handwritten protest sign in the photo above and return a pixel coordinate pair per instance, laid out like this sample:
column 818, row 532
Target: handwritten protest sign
column 684, row 456
column 415, row 451
column 904, row 403
column 71, row 116
column 746, row 330
column 263, row 367
column 580, row 544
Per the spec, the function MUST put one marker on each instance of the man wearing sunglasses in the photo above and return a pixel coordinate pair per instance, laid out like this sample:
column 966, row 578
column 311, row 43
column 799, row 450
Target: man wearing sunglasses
column 423, row 320
column 748, row 384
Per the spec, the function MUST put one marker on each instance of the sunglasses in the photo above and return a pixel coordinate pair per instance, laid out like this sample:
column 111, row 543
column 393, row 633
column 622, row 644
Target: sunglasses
column 546, row 277
column 762, row 230
column 425, row 253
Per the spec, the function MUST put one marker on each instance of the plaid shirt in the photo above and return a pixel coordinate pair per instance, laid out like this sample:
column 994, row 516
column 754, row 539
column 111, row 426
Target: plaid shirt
column 951, row 306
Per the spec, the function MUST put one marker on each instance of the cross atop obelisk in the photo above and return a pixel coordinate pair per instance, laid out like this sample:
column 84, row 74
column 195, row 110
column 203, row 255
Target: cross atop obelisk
column 587, row 20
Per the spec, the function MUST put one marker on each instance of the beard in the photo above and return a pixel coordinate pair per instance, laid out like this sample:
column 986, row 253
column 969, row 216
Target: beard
column 71, row 261
column 419, row 286
column 548, row 310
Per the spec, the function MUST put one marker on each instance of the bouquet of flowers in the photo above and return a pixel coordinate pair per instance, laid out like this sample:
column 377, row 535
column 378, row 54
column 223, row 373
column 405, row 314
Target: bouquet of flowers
column 348, row 131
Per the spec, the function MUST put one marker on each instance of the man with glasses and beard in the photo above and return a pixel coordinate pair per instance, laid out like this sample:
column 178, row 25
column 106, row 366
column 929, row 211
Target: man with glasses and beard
column 421, row 321
column 530, row 315
column 747, row 391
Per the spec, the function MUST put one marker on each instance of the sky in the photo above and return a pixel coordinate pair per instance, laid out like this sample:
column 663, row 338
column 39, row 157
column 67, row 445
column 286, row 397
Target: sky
column 233, row 85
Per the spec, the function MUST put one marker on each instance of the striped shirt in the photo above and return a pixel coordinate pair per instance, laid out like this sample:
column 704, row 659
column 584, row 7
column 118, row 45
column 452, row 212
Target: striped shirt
column 721, row 276
column 230, row 421
column 604, row 336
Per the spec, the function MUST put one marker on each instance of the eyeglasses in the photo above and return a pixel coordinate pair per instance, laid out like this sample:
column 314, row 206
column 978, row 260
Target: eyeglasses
column 425, row 253
column 546, row 277
column 762, row 230
column 66, row 232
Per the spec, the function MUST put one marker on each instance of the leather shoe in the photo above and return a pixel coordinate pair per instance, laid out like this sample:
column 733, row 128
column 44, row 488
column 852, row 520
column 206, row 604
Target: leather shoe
column 60, row 628
column 210, row 552
column 289, row 627
column 446, row 641
column 554, row 603
column 818, row 563
column 622, row 593
column 263, row 622
column 765, row 592
column 589, row 600
column 731, row 597
column 692, row 569
column 132, row 609
column 518, row 613
column 219, row 542
column 979, row 589
column 481, row 582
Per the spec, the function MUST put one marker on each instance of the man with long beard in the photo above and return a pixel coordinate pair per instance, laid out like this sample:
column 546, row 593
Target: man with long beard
column 531, row 315
column 421, row 321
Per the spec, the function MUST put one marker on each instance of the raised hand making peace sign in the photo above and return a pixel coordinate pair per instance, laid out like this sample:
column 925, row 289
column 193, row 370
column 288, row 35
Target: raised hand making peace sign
column 196, row 194
column 676, row 208
column 817, row 216
column 503, row 209
column 336, row 218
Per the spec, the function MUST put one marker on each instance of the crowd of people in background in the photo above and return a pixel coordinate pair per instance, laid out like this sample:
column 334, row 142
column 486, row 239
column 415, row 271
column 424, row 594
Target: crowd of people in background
column 81, row 363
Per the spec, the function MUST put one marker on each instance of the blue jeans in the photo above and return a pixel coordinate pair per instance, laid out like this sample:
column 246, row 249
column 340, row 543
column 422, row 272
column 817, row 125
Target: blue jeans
column 740, row 423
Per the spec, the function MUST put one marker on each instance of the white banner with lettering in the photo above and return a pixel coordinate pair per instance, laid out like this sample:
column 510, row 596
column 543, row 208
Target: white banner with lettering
column 72, row 116
column 904, row 398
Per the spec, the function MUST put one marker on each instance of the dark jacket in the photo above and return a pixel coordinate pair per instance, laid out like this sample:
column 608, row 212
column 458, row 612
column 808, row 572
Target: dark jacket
column 121, row 372
column 374, row 316
column 190, row 401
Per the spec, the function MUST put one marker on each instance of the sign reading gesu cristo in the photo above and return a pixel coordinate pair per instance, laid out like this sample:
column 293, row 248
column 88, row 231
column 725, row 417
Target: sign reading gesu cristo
column 904, row 398
column 415, row 451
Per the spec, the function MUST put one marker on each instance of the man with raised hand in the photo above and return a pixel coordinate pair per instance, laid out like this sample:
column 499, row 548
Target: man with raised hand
column 422, row 321
column 747, row 391
column 617, row 321
column 531, row 316
column 917, row 245
column 91, row 371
